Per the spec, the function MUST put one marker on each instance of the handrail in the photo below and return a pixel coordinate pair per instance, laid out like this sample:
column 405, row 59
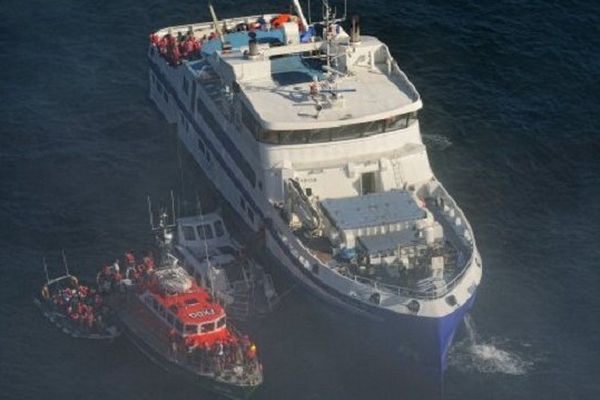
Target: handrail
column 390, row 288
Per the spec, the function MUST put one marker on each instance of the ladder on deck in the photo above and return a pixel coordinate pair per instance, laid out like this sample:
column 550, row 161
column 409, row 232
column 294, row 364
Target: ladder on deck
column 239, row 310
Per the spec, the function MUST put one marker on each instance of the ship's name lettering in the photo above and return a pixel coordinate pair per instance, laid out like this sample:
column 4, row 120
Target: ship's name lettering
column 307, row 180
column 202, row 313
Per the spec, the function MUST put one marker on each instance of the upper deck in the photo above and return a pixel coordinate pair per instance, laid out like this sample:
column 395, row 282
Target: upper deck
column 287, row 84
column 278, row 88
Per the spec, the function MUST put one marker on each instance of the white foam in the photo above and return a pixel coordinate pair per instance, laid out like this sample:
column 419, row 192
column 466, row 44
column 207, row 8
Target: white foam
column 485, row 356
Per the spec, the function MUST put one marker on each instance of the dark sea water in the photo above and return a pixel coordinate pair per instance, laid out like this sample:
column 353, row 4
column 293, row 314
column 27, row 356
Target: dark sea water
column 512, row 108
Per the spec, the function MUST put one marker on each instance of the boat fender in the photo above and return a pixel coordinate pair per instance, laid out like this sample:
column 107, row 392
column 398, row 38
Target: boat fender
column 74, row 281
column 375, row 298
column 414, row 306
column 45, row 292
column 451, row 300
column 315, row 269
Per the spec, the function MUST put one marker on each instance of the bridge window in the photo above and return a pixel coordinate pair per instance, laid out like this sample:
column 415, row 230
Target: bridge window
column 188, row 233
column 241, row 162
column 219, row 229
column 221, row 322
column 191, row 329
column 204, row 232
column 344, row 132
column 205, row 328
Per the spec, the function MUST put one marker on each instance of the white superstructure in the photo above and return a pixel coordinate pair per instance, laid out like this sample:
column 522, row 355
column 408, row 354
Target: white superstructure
column 316, row 138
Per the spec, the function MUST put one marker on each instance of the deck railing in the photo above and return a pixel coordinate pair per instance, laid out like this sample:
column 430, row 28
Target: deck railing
column 307, row 258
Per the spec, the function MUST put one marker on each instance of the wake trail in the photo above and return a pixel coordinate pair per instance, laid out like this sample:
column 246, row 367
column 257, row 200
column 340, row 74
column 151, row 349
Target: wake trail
column 473, row 353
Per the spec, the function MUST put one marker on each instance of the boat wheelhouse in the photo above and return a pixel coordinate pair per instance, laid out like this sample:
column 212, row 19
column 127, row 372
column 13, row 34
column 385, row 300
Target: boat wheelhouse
column 222, row 265
column 313, row 133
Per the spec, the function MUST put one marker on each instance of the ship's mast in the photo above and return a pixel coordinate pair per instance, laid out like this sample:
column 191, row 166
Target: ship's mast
column 164, row 229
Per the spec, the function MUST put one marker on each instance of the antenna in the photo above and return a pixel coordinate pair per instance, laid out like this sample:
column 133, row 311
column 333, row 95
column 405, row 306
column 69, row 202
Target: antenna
column 208, row 263
column 46, row 270
column 215, row 22
column 64, row 257
column 150, row 214
column 329, row 15
column 203, row 228
column 173, row 221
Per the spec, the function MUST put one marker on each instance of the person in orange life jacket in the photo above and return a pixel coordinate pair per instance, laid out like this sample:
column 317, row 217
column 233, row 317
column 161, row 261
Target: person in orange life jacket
column 188, row 47
column 154, row 39
column 149, row 262
column 162, row 45
column 129, row 258
column 251, row 353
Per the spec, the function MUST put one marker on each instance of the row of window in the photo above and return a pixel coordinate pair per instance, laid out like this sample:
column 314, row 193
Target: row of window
column 204, row 231
column 237, row 157
column 345, row 132
column 173, row 321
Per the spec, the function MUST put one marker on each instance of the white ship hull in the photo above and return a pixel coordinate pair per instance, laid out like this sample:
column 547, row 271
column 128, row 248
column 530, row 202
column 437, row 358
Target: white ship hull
column 430, row 329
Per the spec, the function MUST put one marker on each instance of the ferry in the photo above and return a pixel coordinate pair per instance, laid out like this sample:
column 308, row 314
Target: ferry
column 180, row 327
column 310, row 131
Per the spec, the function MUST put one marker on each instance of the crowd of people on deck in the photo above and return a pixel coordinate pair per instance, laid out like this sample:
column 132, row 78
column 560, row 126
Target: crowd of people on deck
column 111, row 275
column 81, row 304
column 176, row 48
column 218, row 356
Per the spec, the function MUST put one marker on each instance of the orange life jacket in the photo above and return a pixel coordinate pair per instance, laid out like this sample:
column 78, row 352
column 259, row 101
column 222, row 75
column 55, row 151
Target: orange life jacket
column 280, row 20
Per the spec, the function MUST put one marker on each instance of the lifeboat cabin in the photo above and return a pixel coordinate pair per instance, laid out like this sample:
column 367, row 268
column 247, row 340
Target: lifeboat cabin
column 185, row 309
column 179, row 320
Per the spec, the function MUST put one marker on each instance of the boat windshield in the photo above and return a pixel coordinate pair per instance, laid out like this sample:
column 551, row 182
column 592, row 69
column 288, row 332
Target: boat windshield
column 209, row 327
column 339, row 133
